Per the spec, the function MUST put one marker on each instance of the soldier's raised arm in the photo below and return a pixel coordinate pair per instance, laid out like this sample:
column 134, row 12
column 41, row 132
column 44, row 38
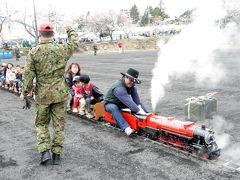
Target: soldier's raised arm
column 73, row 40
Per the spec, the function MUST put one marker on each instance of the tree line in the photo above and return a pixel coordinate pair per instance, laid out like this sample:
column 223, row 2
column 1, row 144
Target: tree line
column 104, row 24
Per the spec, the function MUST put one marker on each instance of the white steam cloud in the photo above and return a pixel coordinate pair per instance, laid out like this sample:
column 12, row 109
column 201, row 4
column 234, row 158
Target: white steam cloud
column 192, row 51
column 230, row 150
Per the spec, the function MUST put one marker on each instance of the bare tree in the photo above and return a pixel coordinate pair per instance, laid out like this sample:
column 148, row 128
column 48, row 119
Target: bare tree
column 6, row 20
column 29, row 27
column 95, row 24
column 111, row 21
column 2, row 20
column 126, row 24
column 81, row 22
column 27, row 20
column 106, row 23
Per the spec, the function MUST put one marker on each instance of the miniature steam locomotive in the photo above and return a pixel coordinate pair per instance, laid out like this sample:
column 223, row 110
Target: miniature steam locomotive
column 184, row 135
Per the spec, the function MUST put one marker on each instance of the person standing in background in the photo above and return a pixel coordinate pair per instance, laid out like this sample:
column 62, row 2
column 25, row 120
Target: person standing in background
column 120, row 47
column 95, row 49
column 17, row 54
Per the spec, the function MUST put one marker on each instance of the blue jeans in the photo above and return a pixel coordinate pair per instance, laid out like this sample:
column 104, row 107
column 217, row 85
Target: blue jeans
column 116, row 114
column 90, row 102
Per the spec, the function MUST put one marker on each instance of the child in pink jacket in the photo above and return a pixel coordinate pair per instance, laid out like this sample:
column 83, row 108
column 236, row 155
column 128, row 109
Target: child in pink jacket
column 78, row 99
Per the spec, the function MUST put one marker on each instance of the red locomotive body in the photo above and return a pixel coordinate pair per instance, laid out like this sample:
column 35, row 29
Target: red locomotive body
column 185, row 135
column 170, row 124
column 156, row 122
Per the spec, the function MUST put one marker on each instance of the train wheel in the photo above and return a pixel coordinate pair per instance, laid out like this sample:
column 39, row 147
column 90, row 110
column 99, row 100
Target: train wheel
column 152, row 137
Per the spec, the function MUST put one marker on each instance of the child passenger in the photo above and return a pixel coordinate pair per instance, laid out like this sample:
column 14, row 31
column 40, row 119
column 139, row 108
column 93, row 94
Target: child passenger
column 91, row 93
column 78, row 99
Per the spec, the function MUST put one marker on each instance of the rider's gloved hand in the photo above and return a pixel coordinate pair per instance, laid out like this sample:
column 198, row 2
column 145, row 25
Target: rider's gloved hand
column 141, row 111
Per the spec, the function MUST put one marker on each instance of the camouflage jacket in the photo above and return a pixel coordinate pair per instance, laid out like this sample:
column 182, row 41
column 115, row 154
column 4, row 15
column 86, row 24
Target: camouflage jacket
column 46, row 62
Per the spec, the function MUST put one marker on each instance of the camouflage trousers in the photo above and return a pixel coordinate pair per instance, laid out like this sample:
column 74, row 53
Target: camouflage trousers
column 45, row 113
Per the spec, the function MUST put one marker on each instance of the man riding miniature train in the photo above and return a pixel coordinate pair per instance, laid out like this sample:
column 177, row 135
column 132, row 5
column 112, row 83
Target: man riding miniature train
column 86, row 94
column 123, row 94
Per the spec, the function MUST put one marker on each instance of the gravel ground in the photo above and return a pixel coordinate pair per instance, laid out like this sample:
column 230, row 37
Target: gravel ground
column 94, row 151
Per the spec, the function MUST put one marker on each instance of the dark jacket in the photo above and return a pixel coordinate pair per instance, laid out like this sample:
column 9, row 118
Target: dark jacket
column 2, row 73
column 111, row 98
column 69, row 80
column 95, row 48
column 19, row 76
column 17, row 52
column 97, row 94
column 93, row 91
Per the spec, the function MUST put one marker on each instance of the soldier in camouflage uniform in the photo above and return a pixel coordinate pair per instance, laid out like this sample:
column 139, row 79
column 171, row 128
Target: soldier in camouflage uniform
column 46, row 62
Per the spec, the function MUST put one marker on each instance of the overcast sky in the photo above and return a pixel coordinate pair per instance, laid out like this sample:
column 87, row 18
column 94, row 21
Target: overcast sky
column 73, row 7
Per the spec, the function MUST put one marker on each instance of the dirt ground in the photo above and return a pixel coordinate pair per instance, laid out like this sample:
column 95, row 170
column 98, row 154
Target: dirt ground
column 94, row 151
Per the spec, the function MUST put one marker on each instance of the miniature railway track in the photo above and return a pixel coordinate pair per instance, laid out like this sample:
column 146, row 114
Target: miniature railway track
column 229, row 164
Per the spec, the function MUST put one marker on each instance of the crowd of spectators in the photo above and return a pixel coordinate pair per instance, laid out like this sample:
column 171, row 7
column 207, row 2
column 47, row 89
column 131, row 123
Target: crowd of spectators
column 11, row 77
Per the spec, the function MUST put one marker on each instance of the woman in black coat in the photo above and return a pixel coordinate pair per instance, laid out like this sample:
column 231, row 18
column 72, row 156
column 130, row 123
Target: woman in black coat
column 73, row 70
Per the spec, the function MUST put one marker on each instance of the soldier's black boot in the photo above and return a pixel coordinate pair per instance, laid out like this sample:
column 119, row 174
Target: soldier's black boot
column 56, row 159
column 45, row 157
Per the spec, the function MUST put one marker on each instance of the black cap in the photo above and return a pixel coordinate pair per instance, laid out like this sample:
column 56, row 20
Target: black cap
column 84, row 78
